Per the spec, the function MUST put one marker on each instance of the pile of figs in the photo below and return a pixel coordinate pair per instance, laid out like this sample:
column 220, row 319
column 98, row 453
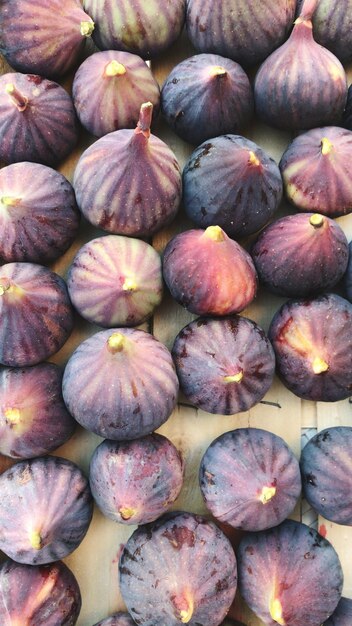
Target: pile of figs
column 144, row 230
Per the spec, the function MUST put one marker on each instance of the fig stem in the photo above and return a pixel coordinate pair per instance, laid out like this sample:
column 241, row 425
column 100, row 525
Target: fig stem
column 316, row 220
column 17, row 98
column 145, row 119
column 308, row 8
column 234, row 378
column 266, row 494
column 87, row 28
column 215, row 233
column 114, row 68
column 276, row 611
column 116, row 342
column 253, row 159
column 126, row 512
column 129, row 285
column 10, row 201
column 217, row 70
column 4, row 285
column 326, row 146
column 319, row 365
column 35, row 540
column 12, row 415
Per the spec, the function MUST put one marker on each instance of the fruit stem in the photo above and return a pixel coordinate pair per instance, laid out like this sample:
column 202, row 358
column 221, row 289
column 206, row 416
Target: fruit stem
column 253, row 159
column 145, row 120
column 234, row 378
column 129, row 285
column 319, row 365
column 126, row 513
column 12, row 415
column 185, row 606
column 276, row 612
column 215, row 233
column 217, row 70
column 316, row 220
column 114, row 68
column 4, row 285
column 87, row 28
column 266, row 494
column 116, row 342
column 10, row 201
column 35, row 540
column 307, row 10
column 17, row 98
column 326, row 146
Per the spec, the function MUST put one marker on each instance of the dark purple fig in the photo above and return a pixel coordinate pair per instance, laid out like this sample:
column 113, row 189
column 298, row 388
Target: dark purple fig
column 47, row 40
column 118, row 619
column 348, row 274
column 38, row 213
column 115, row 281
column 313, row 346
column 224, row 365
column 108, row 91
column 342, row 616
column 36, row 315
column 178, row 570
column 205, row 96
column 244, row 31
column 250, row 479
column 129, row 182
column 45, row 509
column 33, row 416
column 135, row 482
column 315, row 171
column 209, row 273
column 301, row 255
column 289, row 575
column 332, row 27
column 347, row 114
column 41, row 595
column 231, row 182
column 120, row 384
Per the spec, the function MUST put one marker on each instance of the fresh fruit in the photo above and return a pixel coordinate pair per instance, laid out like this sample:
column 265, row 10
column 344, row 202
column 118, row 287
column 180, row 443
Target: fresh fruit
column 118, row 619
column 348, row 274
column 347, row 114
column 332, row 27
column 342, row 615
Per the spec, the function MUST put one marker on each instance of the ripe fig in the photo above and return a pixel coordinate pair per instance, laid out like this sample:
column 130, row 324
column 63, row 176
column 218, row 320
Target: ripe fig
column 342, row 615
column 347, row 114
column 347, row 280
column 332, row 27
column 118, row 619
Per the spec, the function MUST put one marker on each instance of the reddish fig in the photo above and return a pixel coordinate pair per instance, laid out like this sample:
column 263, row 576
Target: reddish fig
column 118, row 619
column 332, row 27
column 342, row 616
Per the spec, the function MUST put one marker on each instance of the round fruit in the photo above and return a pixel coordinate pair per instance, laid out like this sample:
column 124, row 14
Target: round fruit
column 332, row 27
column 118, row 619
column 342, row 615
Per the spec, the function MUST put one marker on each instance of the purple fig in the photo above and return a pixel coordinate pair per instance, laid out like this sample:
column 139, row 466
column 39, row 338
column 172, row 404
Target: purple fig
column 332, row 27
column 342, row 616
column 118, row 619
column 347, row 279
column 347, row 114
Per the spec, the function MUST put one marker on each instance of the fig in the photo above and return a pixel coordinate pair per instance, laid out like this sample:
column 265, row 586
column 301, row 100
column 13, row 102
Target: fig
column 36, row 316
column 231, row 182
column 118, row 619
column 301, row 255
column 108, row 91
column 332, row 27
column 179, row 569
column 205, row 96
column 38, row 595
column 115, row 281
column 129, row 182
column 209, row 273
column 315, row 171
column 45, row 509
column 33, row 416
column 47, row 41
column 37, row 120
column 224, row 366
column 250, row 479
column 348, row 274
column 135, row 482
column 39, row 218
column 289, row 575
column 120, row 383
column 342, row 615
column 347, row 114
column 313, row 346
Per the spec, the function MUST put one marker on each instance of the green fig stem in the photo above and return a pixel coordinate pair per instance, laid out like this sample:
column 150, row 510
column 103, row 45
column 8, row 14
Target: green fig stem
column 316, row 220
column 319, row 365
column 36, row 540
column 126, row 512
column 326, row 146
column 145, row 120
column 253, row 159
column 10, row 201
column 215, row 233
column 266, row 494
column 114, row 68
column 17, row 98
column 234, row 378
column 87, row 28
column 116, row 342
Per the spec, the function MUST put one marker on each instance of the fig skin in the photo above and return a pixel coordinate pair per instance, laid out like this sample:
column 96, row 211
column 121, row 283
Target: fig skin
column 38, row 120
column 179, row 569
column 138, row 377
column 301, row 255
column 135, row 482
column 332, row 27
column 208, row 273
column 36, row 315
column 39, row 218
column 231, row 182
column 347, row 279
column 224, row 366
column 342, row 615
column 33, row 416
column 205, row 96
column 108, row 91
column 118, row 619
column 42, row 595
column 347, row 114
column 313, row 347
column 46, row 508
column 289, row 575
column 115, row 281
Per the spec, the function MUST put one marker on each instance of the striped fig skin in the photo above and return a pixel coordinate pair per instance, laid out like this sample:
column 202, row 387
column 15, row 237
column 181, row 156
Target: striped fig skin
column 120, row 383
column 45, row 509
column 118, row 619
column 342, row 615
column 41, row 595
column 43, row 130
column 36, row 316
column 332, row 27
column 39, row 218
column 48, row 40
column 115, row 281
column 224, row 366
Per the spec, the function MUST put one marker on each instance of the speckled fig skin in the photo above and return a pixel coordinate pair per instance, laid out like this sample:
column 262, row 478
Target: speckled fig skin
column 313, row 347
column 108, row 91
column 289, row 575
column 205, row 96
column 138, row 377
column 135, row 482
column 231, row 182
column 45, row 509
column 118, row 619
column 39, row 218
column 224, row 366
column 180, row 569
column 301, row 255
column 42, row 595
column 342, row 615
column 332, row 27
column 115, row 281
column 36, row 315
column 47, row 41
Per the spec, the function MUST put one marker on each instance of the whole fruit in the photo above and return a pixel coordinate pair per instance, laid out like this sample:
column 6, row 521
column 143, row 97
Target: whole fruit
column 347, row 280
column 332, row 26
column 342, row 615
column 347, row 114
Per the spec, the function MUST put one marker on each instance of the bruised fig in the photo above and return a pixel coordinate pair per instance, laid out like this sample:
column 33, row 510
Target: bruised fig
column 332, row 25
column 342, row 616
column 118, row 619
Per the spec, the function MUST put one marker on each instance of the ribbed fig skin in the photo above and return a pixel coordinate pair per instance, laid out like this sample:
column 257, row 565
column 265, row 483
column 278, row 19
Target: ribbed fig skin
column 180, row 569
column 205, row 96
column 289, row 573
column 231, row 182
column 45, row 130
column 36, row 315
column 138, row 379
column 209, row 352
column 332, row 27
column 39, row 218
column 42, row 595
column 118, row 619
column 47, row 41
column 45, row 509
column 342, row 615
